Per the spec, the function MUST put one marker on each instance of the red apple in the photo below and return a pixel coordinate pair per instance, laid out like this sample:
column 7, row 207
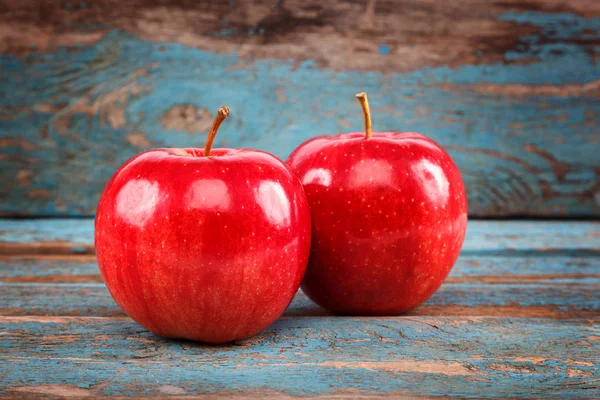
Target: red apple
column 389, row 216
column 203, row 245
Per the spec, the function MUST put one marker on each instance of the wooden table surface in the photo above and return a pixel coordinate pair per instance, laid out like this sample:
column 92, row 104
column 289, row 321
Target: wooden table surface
column 519, row 316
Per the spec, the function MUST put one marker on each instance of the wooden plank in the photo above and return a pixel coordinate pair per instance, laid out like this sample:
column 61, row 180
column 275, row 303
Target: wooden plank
column 474, row 299
column 48, row 236
column 76, row 236
column 542, row 268
column 509, row 88
column 521, row 269
column 479, row 285
column 411, row 356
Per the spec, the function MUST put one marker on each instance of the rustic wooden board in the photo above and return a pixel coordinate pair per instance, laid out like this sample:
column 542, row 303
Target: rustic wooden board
column 507, row 268
column 530, row 300
column 481, row 285
column 509, row 88
column 519, row 316
column 478, row 267
column 470, row 357
column 76, row 236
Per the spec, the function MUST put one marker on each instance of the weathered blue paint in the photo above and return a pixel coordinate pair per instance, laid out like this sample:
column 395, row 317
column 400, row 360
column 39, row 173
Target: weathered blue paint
column 520, row 268
column 554, row 299
column 490, row 357
column 542, row 284
column 39, row 268
column 489, row 236
column 459, row 343
column 482, row 236
column 525, row 140
column 383, row 49
column 76, row 231
column 542, row 268
column 550, row 300
column 547, row 44
column 91, row 299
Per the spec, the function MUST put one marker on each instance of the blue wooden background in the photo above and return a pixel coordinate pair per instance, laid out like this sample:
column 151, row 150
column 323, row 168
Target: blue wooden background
column 511, row 89
column 518, row 317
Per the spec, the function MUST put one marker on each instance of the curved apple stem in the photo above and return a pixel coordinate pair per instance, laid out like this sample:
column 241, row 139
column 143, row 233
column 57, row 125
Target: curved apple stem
column 221, row 115
column 364, row 103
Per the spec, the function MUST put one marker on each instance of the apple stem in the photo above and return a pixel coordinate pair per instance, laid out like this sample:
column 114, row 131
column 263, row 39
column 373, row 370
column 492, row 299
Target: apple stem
column 221, row 115
column 364, row 103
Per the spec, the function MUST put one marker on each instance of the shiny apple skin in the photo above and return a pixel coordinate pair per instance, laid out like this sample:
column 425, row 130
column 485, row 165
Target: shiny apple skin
column 389, row 217
column 211, row 249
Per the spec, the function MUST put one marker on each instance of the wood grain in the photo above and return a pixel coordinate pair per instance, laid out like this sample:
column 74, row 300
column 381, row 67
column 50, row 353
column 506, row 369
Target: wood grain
column 462, row 300
column 411, row 356
column 76, row 236
column 510, row 88
column 519, row 317
column 553, row 286
column 518, row 269
column 479, row 267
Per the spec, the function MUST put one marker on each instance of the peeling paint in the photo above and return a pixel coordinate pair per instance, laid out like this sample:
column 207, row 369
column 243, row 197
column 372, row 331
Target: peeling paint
column 186, row 117
column 138, row 140
column 509, row 77
column 486, row 357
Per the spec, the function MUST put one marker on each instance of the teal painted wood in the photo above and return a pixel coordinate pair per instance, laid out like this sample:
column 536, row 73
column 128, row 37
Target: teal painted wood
column 509, row 88
column 412, row 356
column 542, row 286
column 549, row 300
column 62, row 335
column 508, row 268
column 492, row 237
